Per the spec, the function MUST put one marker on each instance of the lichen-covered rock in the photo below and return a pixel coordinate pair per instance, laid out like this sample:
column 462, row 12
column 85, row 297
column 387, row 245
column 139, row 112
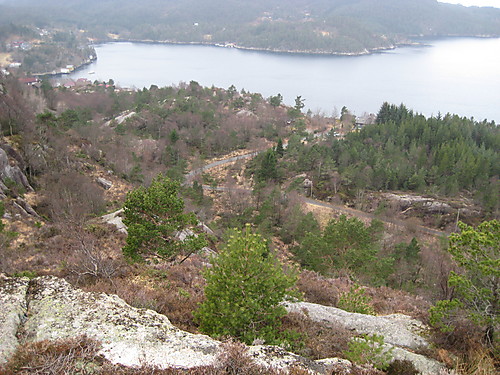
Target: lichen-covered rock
column 12, row 313
column 398, row 329
column 400, row 332
column 129, row 336
column 424, row 365
column 49, row 308
column 277, row 358
column 115, row 218
column 336, row 365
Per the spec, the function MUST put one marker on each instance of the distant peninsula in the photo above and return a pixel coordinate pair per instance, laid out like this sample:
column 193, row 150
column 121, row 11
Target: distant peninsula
column 342, row 27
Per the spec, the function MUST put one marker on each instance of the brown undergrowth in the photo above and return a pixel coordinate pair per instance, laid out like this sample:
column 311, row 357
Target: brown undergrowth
column 326, row 291
column 81, row 356
column 319, row 341
column 175, row 290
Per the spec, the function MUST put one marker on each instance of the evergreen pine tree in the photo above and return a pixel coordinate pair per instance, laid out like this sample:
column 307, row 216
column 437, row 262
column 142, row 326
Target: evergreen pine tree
column 245, row 286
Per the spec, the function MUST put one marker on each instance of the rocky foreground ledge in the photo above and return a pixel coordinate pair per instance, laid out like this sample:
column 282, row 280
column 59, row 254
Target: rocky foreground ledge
column 49, row 308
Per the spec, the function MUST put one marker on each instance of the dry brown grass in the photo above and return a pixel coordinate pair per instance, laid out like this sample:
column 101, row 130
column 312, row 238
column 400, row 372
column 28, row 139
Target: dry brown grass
column 326, row 291
column 53, row 358
column 320, row 341
column 80, row 356
column 174, row 291
column 478, row 361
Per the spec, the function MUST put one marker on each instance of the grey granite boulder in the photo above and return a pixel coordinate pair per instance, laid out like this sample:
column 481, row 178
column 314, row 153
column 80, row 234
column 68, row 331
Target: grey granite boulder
column 13, row 309
column 401, row 332
column 130, row 336
column 397, row 329
column 12, row 173
column 105, row 184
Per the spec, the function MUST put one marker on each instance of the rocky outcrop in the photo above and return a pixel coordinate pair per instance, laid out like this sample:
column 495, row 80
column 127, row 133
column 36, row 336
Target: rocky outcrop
column 397, row 329
column 425, row 365
column 129, row 336
column 401, row 332
column 13, row 181
column 13, row 307
column 115, row 218
column 105, row 184
column 11, row 174
column 25, row 207
column 120, row 119
column 409, row 201
column 49, row 308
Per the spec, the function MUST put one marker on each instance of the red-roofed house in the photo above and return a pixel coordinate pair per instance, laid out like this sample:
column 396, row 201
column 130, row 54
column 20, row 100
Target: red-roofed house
column 30, row 81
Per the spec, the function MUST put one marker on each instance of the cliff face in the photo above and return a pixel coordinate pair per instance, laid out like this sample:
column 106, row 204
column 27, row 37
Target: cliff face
column 49, row 308
column 10, row 172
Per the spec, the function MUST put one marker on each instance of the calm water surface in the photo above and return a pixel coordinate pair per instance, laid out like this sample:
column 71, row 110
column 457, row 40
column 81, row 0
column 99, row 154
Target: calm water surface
column 458, row 75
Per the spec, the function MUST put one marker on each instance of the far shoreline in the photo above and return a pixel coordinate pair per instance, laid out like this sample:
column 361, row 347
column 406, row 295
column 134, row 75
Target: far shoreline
column 256, row 49
column 413, row 41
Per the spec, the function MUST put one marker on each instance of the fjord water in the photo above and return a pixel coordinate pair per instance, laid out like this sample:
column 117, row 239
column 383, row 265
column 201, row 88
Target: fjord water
column 456, row 75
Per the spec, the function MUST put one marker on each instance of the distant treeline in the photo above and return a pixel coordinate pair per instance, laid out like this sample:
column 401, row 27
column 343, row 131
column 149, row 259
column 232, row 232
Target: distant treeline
column 348, row 26
column 406, row 151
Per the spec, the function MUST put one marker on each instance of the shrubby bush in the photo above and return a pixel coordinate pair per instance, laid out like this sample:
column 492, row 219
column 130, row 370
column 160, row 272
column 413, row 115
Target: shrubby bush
column 356, row 301
column 245, row 286
column 369, row 349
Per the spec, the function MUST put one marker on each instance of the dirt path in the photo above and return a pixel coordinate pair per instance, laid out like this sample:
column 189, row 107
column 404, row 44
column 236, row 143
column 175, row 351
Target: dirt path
column 357, row 213
column 313, row 202
column 195, row 172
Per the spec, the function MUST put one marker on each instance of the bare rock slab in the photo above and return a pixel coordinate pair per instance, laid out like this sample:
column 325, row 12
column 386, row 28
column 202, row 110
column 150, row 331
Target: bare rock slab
column 13, row 309
column 105, row 184
column 398, row 329
column 130, row 336
column 401, row 332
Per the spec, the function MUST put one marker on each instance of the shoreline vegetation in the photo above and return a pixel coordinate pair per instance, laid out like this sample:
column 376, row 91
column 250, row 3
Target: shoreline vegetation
column 258, row 49
column 365, row 52
column 338, row 28
column 62, row 74
column 411, row 42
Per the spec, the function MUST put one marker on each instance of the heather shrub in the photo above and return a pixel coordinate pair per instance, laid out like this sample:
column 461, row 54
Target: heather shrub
column 317, row 289
column 402, row 367
column 234, row 359
column 369, row 349
column 356, row 301
column 70, row 356
column 318, row 340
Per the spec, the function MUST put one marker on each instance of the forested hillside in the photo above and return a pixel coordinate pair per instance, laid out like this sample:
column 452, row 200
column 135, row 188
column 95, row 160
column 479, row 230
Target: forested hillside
column 72, row 158
column 444, row 155
column 337, row 26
